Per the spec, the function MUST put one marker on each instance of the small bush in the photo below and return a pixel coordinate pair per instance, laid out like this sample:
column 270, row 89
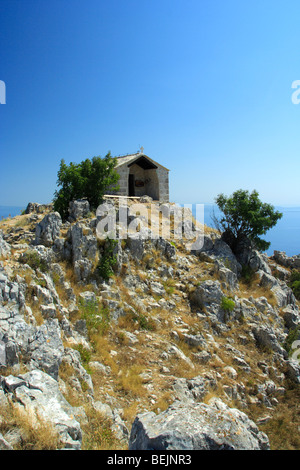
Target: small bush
column 227, row 304
column 292, row 336
column 140, row 320
column 146, row 323
column 108, row 259
column 295, row 283
column 33, row 259
column 85, row 354
column 96, row 317
column 247, row 275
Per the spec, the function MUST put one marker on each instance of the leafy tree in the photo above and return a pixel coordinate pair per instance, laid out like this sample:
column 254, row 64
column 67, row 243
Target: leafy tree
column 88, row 179
column 245, row 218
column 295, row 283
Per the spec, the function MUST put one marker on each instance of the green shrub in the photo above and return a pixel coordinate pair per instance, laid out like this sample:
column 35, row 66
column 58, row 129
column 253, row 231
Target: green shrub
column 33, row 259
column 245, row 217
column 107, row 260
column 292, row 336
column 295, row 283
column 143, row 322
column 88, row 179
column 85, row 354
column 227, row 304
column 96, row 316
column 247, row 274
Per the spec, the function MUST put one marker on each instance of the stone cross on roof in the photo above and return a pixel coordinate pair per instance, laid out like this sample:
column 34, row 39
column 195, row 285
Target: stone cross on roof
column 142, row 150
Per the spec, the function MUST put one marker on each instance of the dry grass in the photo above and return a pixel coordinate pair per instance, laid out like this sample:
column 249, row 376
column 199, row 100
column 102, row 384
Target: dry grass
column 102, row 352
column 131, row 382
column 34, row 432
column 35, row 306
column 283, row 427
column 163, row 402
column 130, row 412
column 97, row 433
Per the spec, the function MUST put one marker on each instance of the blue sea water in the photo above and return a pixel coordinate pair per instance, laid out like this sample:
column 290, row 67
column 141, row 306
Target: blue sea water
column 10, row 211
column 285, row 236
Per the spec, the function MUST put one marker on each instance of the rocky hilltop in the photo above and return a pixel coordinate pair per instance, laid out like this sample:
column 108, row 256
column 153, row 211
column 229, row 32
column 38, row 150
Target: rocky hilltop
column 142, row 342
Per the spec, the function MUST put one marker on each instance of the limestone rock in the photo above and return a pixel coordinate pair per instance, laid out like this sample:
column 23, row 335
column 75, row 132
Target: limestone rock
column 39, row 394
column 4, row 246
column 72, row 357
column 226, row 275
column 197, row 426
column 208, row 292
column 293, row 370
column 46, row 348
column 48, row 229
column 291, row 316
column 78, row 209
column 266, row 337
column 12, row 292
column 292, row 262
column 35, row 207
column 15, row 334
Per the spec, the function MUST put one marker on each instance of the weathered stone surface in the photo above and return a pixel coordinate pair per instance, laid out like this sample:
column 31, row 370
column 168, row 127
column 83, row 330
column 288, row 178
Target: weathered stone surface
column 175, row 351
column 46, row 348
column 12, row 292
column 266, row 338
column 226, row 275
column 48, row 229
column 196, row 427
column 87, row 297
column 194, row 340
column 39, row 394
column 72, row 358
column 191, row 389
column 35, row 207
column 136, row 245
column 288, row 261
column 293, row 370
column 208, row 292
column 166, row 248
column 15, row 334
column 291, row 316
column 4, row 246
column 78, row 209
column 83, row 242
column 48, row 311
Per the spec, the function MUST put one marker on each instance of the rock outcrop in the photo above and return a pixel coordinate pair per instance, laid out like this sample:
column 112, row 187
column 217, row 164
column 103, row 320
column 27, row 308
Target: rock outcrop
column 212, row 426
column 142, row 331
column 39, row 395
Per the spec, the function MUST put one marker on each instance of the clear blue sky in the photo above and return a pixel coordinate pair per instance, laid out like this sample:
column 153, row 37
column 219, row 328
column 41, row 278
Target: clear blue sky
column 203, row 85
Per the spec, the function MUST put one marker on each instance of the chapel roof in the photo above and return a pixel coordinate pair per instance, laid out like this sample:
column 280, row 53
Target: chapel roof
column 139, row 156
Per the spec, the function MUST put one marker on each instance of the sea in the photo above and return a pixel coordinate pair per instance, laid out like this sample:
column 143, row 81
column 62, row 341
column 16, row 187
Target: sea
column 285, row 236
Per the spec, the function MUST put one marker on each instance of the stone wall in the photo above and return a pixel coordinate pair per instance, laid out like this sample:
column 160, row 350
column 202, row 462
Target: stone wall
column 123, row 182
column 163, row 178
column 157, row 187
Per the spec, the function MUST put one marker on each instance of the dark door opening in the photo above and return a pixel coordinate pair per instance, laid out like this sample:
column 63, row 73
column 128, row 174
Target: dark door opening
column 131, row 185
